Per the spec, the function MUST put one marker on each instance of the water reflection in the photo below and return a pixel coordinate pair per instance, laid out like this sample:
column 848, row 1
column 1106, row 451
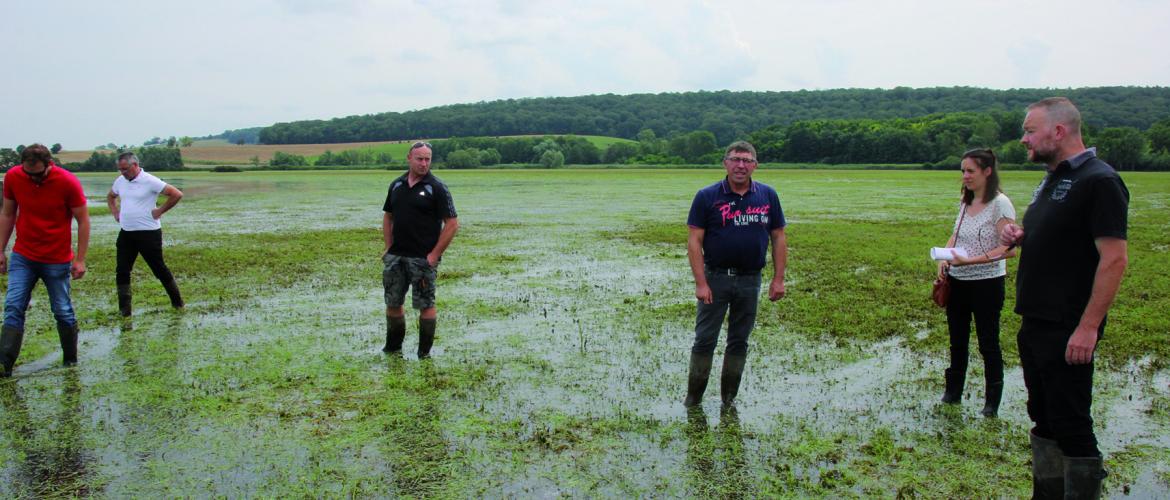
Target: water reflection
column 48, row 435
column 718, row 464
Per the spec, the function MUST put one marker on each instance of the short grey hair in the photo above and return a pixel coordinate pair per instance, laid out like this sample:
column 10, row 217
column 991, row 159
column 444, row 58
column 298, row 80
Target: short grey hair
column 129, row 157
column 743, row 146
column 1060, row 110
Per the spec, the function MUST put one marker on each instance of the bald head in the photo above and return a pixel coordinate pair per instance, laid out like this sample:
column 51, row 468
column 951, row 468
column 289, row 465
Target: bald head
column 1060, row 111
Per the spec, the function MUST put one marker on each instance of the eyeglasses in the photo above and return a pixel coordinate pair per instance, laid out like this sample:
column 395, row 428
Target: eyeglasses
column 421, row 144
column 735, row 159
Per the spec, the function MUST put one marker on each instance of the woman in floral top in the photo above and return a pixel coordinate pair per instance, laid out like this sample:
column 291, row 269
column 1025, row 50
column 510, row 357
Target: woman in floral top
column 977, row 279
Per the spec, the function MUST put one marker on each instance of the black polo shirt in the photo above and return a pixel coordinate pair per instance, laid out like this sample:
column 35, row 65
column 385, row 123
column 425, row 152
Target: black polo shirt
column 418, row 213
column 736, row 229
column 1081, row 200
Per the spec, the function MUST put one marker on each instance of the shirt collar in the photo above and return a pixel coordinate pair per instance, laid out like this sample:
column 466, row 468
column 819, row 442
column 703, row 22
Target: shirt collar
column 1079, row 159
column 426, row 179
column 49, row 171
column 725, row 186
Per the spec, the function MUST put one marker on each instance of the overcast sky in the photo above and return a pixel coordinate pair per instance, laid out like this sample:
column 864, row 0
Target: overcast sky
column 87, row 72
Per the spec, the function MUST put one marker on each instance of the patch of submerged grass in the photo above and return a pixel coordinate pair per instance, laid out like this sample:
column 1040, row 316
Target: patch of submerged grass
column 651, row 233
column 360, row 428
column 879, row 462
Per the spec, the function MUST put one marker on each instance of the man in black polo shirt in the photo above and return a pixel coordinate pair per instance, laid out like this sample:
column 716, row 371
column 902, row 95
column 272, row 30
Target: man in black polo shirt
column 418, row 224
column 731, row 223
column 1074, row 254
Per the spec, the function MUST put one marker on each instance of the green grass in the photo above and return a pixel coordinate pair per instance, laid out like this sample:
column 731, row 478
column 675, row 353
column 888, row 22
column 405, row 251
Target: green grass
column 566, row 314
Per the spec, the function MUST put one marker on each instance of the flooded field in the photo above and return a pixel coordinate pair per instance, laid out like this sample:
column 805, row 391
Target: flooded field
column 566, row 314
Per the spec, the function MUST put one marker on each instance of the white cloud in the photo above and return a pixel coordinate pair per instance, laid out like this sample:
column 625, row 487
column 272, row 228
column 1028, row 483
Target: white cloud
column 122, row 71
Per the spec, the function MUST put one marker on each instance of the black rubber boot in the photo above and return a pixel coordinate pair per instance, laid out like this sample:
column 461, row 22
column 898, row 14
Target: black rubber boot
column 395, row 332
column 1047, row 469
column 172, row 289
column 10, row 341
column 125, row 300
column 953, row 393
column 993, row 396
column 426, row 337
column 729, row 380
column 1082, row 477
column 697, row 377
column 68, row 336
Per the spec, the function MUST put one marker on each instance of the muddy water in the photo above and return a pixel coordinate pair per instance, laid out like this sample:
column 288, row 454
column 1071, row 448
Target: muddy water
column 585, row 337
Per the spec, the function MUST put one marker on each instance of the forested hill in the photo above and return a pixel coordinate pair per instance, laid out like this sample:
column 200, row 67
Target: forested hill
column 726, row 114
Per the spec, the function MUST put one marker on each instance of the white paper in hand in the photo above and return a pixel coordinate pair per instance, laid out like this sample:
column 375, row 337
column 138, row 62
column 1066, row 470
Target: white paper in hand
column 941, row 253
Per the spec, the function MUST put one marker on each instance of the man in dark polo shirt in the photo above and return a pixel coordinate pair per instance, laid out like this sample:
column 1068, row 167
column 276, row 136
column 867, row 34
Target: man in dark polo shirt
column 1073, row 255
column 731, row 223
column 41, row 201
column 418, row 224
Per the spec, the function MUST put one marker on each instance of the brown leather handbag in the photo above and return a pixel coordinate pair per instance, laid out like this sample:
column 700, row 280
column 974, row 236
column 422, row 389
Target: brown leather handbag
column 941, row 292
column 942, row 286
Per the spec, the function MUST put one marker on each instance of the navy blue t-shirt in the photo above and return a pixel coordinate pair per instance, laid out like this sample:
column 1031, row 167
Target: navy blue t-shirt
column 738, row 228
column 418, row 212
column 1082, row 200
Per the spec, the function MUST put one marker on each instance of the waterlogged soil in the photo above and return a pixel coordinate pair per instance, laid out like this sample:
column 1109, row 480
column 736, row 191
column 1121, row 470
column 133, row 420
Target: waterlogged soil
column 566, row 317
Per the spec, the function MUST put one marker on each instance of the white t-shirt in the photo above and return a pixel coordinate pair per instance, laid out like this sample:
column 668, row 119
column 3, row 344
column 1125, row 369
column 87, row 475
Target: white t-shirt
column 139, row 198
column 978, row 236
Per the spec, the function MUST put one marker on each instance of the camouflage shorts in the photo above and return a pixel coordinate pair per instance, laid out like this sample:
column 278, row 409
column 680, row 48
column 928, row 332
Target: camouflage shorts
column 400, row 273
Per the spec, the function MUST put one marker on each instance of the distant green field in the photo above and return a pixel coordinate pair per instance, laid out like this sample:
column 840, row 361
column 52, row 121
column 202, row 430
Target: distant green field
column 210, row 142
column 398, row 149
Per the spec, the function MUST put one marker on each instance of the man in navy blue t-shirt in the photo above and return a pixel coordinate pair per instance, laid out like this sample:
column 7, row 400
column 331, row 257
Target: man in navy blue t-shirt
column 731, row 223
column 1074, row 256
column 418, row 224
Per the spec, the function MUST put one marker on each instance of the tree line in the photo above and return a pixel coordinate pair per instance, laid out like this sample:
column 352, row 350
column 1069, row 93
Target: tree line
column 933, row 141
column 153, row 158
column 728, row 115
column 938, row 140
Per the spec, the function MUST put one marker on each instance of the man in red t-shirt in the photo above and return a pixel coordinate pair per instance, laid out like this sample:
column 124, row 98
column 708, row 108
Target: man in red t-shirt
column 41, row 200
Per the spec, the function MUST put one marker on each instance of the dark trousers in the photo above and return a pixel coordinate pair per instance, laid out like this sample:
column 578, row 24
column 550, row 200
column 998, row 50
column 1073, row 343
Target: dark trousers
column 982, row 299
column 739, row 294
column 149, row 245
column 1060, row 395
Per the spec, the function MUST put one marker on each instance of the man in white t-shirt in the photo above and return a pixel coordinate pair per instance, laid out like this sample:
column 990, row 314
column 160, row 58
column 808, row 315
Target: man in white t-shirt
column 141, row 233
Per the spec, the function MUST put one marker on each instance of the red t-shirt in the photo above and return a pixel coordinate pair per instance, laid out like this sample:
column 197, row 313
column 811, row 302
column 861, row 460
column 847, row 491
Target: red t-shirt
column 44, row 213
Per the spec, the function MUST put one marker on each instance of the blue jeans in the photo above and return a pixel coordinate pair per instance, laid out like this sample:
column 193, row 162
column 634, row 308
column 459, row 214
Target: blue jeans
column 739, row 294
column 22, row 277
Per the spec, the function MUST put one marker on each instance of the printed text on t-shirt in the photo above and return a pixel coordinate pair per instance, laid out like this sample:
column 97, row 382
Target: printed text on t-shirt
column 746, row 216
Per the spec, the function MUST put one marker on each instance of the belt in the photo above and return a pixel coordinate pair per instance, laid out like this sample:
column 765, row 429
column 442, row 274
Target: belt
column 732, row 271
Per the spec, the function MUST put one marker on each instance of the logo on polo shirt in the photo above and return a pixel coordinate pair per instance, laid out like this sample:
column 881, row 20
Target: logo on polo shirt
column 1060, row 192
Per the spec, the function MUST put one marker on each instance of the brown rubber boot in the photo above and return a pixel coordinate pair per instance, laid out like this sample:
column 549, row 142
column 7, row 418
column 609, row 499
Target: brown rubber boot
column 732, row 374
column 1083, row 477
column 1047, row 469
column 426, row 337
column 700, row 372
column 172, row 289
column 10, row 341
column 125, row 299
column 68, row 336
column 395, row 332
